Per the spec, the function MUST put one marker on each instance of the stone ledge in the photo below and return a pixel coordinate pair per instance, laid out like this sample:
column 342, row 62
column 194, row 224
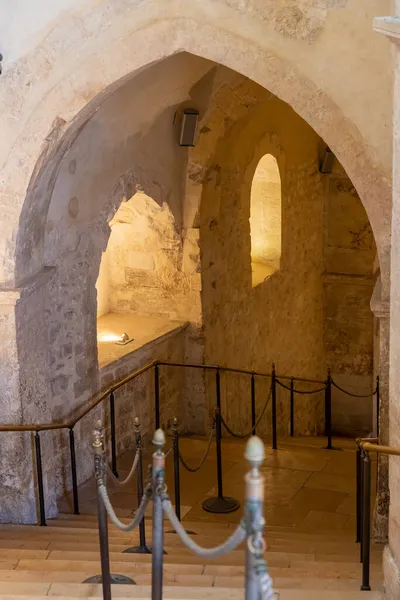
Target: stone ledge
column 348, row 279
column 389, row 26
column 11, row 296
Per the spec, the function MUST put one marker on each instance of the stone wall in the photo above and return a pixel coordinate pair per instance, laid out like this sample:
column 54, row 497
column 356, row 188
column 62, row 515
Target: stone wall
column 349, row 254
column 280, row 320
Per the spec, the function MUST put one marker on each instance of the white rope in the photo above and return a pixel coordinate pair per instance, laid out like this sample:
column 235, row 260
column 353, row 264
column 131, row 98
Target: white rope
column 117, row 481
column 230, row 544
column 139, row 513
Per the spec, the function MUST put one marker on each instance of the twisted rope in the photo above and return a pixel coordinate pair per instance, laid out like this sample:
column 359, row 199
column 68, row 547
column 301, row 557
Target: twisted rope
column 230, row 544
column 203, row 460
column 264, row 580
column 351, row 393
column 245, row 435
column 300, row 391
column 139, row 513
column 117, row 481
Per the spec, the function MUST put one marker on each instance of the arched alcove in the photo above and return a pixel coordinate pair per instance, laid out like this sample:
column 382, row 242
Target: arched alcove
column 265, row 219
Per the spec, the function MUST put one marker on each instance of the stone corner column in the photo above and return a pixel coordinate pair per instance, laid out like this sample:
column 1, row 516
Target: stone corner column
column 380, row 310
column 390, row 27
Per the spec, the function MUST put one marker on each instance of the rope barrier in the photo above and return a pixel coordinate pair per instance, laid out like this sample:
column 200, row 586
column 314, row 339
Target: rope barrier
column 300, row 391
column 351, row 393
column 230, row 544
column 264, row 581
column 203, row 460
column 139, row 513
column 131, row 472
column 242, row 436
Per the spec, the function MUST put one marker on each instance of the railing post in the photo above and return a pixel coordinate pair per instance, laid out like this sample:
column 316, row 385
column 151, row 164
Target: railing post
column 378, row 402
column 142, row 548
column 366, row 525
column 39, row 471
column 328, row 410
column 158, row 520
column 253, row 404
column 177, row 482
column 253, row 514
column 292, row 407
column 358, row 493
column 361, row 502
column 157, row 395
column 113, row 439
column 98, row 447
column 273, row 388
column 219, row 504
column 73, row 471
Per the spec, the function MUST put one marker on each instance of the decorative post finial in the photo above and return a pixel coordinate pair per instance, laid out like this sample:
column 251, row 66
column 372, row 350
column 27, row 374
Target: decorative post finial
column 255, row 452
column 98, row 438
column 159, row 440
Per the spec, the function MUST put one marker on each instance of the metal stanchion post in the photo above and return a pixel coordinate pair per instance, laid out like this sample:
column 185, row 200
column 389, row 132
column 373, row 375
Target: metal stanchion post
column 40, row 480
column 358, row 493
column 106, row 578
column 113, row 436
column 220, row 503
column 273, row 388
column 177, row 481
column 158, row 521
column 73, row 471
column 366, row 524
column 292, row 407
column 378, row 402
column 253, row 514
column 142, row 548
column 157, row 395
column 253, row 404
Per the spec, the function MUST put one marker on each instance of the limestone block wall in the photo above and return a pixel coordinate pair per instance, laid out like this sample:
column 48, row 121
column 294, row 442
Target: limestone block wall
column 348, row 286
column 280, row 320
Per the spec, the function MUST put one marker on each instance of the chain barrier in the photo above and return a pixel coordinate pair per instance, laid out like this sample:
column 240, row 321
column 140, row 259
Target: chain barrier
column 117, row 481
column 230, row 544
column 246, row 435
column 351, row 393
column 203, row 460
column 300, row 391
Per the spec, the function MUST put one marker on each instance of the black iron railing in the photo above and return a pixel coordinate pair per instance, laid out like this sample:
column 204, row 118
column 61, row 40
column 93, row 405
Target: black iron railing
column 220, row 503
column 363, row 499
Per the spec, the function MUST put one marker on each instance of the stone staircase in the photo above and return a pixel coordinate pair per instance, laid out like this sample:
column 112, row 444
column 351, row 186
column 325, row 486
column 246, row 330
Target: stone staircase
column 55, row 560
column 310, row 531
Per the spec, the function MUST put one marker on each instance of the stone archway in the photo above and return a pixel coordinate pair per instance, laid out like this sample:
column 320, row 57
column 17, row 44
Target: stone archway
column 65, row 95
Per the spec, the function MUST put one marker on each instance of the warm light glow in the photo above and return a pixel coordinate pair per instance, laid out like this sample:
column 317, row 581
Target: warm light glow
column 265, row 219
column 107, row 336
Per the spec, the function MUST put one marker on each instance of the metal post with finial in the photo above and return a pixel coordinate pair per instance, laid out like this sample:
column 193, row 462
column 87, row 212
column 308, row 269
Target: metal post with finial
column 177, row 479
column 254, row 481
column 158, row 521
column 106, row 578
column 142, row 548
column 328, row 410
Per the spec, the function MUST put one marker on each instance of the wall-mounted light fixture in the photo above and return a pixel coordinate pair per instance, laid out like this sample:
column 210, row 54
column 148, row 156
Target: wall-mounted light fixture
column 124, row 339
column 326, row 163
column 190, row 118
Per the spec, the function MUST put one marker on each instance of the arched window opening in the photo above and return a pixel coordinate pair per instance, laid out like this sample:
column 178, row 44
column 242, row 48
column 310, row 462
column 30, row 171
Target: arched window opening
column 265, row 220
column 135, row 286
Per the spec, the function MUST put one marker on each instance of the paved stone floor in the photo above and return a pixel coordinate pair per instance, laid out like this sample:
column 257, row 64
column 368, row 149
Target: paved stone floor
column 306, row 486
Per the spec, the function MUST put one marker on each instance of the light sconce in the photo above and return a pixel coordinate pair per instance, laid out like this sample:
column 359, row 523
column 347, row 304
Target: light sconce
column 124, row 339
column 190, row 118
column 326, row 163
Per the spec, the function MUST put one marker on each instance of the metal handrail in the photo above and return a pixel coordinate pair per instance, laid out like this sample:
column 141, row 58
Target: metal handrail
column 369, row 447
column 34, row 427
column 363, row 499
column 70, row 424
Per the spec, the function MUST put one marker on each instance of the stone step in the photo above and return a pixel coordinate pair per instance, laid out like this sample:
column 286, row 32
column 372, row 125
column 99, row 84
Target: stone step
column 192, row 593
